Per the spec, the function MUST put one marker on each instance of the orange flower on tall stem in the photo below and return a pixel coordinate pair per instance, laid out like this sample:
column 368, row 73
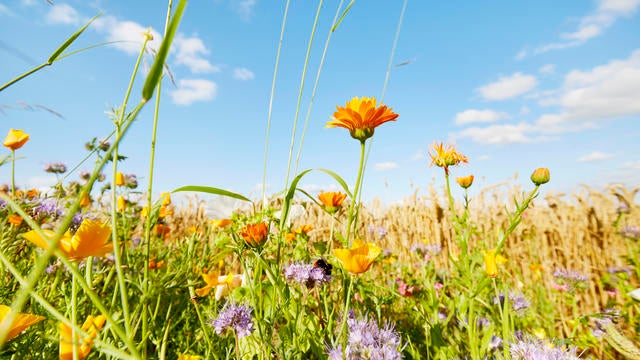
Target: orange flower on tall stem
column 361, row 116
column 20, row 323
column 15, row 139
column 83, row 346
column 444, row 155
column 359, row 257
column 255, row 234
column 89, row 240
column 332, row 200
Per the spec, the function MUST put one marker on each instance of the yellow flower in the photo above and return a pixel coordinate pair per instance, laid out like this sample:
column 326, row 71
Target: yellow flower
column 359, row 257
column 15, row 220
column 255, row 234
column 302, row 230
column 361, row 116
column 445, row 155
column 89, row 240
column 85, row 200
column 119, row 179
column 15, row 139
column 167, row 200
column 540, row 176
column 491, row 262
column 20, row 323
column 465, row 181
column 219, row 223
column 332, row 200
column 222, row 283
column 536, row 269
column 189, row 357
column 121, row 204
column 91, row 326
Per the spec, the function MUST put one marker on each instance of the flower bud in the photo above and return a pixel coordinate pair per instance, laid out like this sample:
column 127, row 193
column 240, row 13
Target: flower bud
column 540, row 176
column 465, row 181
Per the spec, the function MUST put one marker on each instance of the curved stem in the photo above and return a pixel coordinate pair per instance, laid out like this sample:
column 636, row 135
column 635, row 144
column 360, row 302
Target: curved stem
column 351, row 222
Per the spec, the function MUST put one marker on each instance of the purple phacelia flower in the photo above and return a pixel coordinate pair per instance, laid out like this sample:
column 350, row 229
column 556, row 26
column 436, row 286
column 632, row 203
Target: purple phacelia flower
column 530, row 348
column 366, row 340
column 309, row 275
column 236, row 318
column 55, row 168
column 518, row 303
column 631, row 232
column 47, row 207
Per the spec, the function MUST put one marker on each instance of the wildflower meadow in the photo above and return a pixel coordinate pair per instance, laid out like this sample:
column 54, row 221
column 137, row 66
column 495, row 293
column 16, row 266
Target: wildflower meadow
column 104, row 266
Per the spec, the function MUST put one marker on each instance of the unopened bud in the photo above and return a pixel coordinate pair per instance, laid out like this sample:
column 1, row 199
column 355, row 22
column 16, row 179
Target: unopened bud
column 540, row 176
column 465, row 181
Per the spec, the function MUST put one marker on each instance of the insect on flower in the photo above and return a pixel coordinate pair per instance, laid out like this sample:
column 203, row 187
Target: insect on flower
column 324, row 265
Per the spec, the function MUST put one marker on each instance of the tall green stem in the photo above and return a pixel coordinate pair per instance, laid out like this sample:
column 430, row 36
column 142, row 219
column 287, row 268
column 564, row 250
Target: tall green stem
column 74, row 316
column 345, row 315
column 353, row 212
column 13, row 173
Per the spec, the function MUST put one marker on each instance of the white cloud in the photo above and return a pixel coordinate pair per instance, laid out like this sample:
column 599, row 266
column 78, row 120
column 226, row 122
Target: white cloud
column 42, row 183
column 190, row 51
column 524, row 110
column 315, row 188
column 508, row 87
column 633, row 165
column 385, row 166
column 192, row 90
column 63, row 14
column 243, row 74
column 589, row 27
column 501, row 134
column 128, row 35
column 547, row 69
column 479, row 116
column 244, row 7
column 595, row 156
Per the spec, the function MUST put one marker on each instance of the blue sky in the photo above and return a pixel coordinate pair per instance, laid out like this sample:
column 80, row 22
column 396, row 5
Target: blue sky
column 515, row 85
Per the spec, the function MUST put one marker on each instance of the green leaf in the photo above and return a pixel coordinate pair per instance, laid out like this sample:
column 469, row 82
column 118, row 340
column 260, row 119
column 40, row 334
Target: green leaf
column 158, row 65
column 289, row 197
column 338, row 179
column 211, row 190
column 69, row 41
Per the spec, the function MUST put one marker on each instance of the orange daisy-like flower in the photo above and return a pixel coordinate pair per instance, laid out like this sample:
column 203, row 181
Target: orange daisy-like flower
column 359, row 257
column 361, row 116
column 465, row 181
column 255, row 234
column 20, row 323
column 15, row 139
column 15, row 220
column 302, row 230
column 83, row 346
column 445, row 155
column 332, row 200
column 89, row 240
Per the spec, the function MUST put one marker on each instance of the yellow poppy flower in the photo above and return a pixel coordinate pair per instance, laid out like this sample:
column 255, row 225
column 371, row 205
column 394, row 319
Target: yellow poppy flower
column 20, row 323
column 15, row 139
column 359, row 257
column 222, row 283
column 219, row 223
column 332, row 200
column 121, row 204
column 491, row 262
column 119, row 179
column 89, row 240
column 361, row 116
column 91, row 326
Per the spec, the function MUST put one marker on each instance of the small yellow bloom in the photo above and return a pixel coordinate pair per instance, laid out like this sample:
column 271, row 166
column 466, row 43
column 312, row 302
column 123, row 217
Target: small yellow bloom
column 222, row 283
column 445, row 155
column 540, row 333
column 189, row 357
column 536, row 269
column 302, row 230
column 119, row 179
column 219, row 223
column 255, row 234
column 121, row 204
column 91, row 326
column 20, row 323
column 85, row 200
column 359, row 257
column 491, row 262
column 465, row 181
column 361, row 116
column 540, row 176
column 164, row 212
column 15, row 139
column 15, row 220
column 89, row 240
column 332, row 200
column 166, row 198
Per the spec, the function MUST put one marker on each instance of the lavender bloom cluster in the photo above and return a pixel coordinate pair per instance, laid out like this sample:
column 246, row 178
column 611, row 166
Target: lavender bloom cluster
column 380, row 231
column 518, row 303
column 48, row 207
column 569, row 279
column 236, row 318
column 55, row 168
column 529, row 348
column 426, row 249
column 367, row 341
column 631, row 232
column 306, row 274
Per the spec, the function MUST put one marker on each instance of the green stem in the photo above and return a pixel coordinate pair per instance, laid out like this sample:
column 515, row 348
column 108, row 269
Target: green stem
column 74, row 316
column 13, row 173
column 517, row 217
column 351, row 222
column 347, row 303
column 15, row 80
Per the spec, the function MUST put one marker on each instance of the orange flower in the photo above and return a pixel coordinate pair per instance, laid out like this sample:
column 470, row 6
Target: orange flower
column 332, row 200
column 20, row 323
column 361, row 116
column 222, row 283
column 15, row 219
column 491, row 262
column 15, row 139
column 91, row 326
column 162, row 230
column 89, row 240
column 119, row 179
column 302, row 230
column 32, row 193
column 219, row 223
column 85, row 200
column 153, row 265
column 445, row 155
column 465, row 181
column 540, row 176
column 255, row 234
column 359, row 257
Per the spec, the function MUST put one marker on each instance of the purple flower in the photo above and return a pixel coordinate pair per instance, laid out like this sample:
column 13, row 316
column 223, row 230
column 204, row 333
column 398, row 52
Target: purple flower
column 84, row 175
column 236, row 318
column 426, row 249
column 631, row 232
column 55, row 168
column 47, row 207
column 533, row 349
column 309, row 275
column 518, row 303
column 569, row 279
column 368, row 341
column 495, row 343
